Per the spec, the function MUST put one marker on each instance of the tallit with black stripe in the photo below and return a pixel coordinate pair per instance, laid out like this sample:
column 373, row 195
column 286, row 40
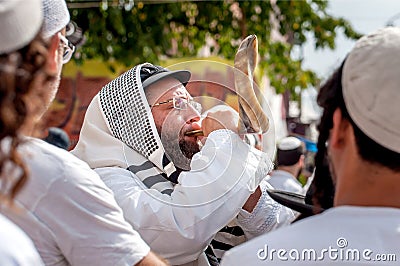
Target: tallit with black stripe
column 128, row 114
column 137, row 146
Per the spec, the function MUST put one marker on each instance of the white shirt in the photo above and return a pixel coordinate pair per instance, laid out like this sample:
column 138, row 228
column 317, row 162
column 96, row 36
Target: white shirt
column 16, row 249
column 69, row 213
column 284, row 180
column 180, row 226
column 343, row 235
column 266, row 216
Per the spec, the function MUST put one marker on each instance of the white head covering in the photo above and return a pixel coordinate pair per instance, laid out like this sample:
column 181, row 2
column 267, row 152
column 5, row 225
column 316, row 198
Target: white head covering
column 56, row 17
column 289, row 143
column 119, row 131
column 20, row 21
column 371, row 86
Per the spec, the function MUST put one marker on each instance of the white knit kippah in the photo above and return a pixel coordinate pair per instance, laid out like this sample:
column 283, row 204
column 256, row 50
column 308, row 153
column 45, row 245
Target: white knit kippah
column 371, row 86
column 56, row 17
column 289, row 143
column 20, row 21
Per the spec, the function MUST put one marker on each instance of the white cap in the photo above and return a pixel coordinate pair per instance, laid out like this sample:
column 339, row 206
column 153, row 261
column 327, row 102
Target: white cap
column 289, row 143
column 371, row 86
column 20, row 21
column 56, row 17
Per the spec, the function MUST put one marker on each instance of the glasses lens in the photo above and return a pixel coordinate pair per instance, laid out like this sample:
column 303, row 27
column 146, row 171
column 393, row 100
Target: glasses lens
column 180, row 103
column 69, row 49
column 197, row 106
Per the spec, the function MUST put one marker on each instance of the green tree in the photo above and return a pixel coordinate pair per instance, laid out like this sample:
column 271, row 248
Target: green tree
column 150, row 31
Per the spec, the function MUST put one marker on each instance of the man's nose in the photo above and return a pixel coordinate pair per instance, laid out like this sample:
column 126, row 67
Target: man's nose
column 193, row 115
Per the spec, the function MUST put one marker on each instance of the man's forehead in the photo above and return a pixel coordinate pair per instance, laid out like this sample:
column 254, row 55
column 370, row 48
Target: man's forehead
column 167, row 87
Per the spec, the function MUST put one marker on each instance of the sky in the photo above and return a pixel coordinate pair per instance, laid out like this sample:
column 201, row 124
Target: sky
column 365, row 16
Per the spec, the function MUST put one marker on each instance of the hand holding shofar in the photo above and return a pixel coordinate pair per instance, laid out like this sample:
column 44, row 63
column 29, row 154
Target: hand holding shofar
column 254, row 120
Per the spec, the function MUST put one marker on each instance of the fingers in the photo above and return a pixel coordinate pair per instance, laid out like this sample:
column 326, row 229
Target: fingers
column 223, row 119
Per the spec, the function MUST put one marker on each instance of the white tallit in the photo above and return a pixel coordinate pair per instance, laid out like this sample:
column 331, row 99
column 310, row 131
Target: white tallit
column 125, row 134
column 119, row 132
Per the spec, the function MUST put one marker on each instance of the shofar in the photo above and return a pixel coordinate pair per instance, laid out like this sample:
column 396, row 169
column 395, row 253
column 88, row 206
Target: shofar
column 250, row 111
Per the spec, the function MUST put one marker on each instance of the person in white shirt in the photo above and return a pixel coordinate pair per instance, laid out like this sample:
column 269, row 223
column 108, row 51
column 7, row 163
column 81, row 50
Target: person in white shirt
column 21, row 23
column 61, row 204
column 360, row 140
column 290, row 163
column 175, row 195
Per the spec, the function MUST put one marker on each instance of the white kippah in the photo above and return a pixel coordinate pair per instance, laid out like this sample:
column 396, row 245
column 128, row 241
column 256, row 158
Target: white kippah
column 56, row 17
column 371, row 86
column 289, row 143
column 20, row 21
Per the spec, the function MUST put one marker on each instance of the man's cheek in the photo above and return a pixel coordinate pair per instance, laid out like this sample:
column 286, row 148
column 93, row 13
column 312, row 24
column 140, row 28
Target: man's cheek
column 174, row 123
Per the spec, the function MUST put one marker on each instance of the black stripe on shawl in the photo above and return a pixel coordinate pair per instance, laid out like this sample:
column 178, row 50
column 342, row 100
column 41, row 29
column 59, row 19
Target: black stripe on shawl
column 233, row 230
column 167, row 191
column 165, row 160
column 220, row 245
column 212, row 259
column 144, row 166
column 174, row 176
column 152, row 180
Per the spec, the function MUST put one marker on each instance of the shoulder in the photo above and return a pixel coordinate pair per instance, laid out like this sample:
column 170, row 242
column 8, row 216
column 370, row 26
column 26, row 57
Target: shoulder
column 319, row 236
column 303, row 234
column 54, row 171
column 13, row 240
column 42, row 157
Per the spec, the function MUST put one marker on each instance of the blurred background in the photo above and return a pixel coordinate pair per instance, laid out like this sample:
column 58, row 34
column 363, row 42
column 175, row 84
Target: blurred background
column 300, row 44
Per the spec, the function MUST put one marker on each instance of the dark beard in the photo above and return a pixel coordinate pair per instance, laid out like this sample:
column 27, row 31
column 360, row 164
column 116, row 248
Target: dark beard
column 188, row 148
column 179, row 151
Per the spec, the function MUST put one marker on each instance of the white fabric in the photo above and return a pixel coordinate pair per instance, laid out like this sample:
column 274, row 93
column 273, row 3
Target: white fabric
column 56, row 17
column 120, row 141
column 346, row 229
column 371, row 86
column 16, row 249
column 70, row 214
column 284, row 180
column 266, row 216
column 289, row 143
column 127, row 117
column 20, row 22
column 177, row 226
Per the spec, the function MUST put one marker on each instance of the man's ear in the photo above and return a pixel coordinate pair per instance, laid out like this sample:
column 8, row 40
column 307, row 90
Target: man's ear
column 301, row 160
column 52, row 64
column 339, row 130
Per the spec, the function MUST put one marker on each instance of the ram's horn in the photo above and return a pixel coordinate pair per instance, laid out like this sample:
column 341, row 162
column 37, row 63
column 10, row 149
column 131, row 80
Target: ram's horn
column 250, row 111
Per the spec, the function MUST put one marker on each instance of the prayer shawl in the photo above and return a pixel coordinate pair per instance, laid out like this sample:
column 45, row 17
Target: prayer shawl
column 134, row 144
column 124, row 107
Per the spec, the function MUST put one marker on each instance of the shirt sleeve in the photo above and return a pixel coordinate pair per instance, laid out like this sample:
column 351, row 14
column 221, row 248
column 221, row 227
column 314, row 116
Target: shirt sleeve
column 266, row 216
column 208, row 197
column 86, row 222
